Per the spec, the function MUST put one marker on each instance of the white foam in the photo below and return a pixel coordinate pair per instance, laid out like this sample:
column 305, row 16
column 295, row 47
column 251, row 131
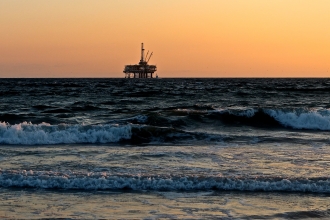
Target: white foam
column 32, row 134
column 105, row 181
column 316, row 120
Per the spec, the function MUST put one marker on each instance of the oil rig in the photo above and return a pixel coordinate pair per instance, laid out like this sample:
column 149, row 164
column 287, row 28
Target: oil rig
column 141, row 70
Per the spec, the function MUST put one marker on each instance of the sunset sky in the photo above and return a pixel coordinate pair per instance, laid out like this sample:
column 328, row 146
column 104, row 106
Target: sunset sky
column 189, row 38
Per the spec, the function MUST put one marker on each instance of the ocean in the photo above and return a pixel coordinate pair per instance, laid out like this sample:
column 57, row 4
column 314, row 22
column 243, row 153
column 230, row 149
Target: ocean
column 213, row 148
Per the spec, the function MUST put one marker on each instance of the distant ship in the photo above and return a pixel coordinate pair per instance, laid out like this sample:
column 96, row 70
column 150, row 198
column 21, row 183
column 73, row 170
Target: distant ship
column 141, row 70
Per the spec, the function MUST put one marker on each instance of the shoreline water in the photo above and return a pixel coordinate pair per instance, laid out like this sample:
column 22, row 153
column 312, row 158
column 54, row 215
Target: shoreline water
column 37, row 203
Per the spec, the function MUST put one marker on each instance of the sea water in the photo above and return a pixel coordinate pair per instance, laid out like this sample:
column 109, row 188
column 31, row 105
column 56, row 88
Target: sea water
column 164, row 148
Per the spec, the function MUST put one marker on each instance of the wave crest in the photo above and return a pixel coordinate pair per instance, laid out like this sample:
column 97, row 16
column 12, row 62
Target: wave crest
column 44, row 133
column 106, row 181
column 314, row 119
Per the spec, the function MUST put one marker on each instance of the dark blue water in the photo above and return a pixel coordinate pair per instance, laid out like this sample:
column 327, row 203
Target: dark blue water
column 160, row 109
column 166, row 135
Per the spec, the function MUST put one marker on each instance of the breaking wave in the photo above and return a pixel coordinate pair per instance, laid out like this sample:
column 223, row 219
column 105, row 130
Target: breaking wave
column 158, row 127
column 106, row 181
column 318, row 119
column 314, row 120
column 311, row 119
column 44, row 133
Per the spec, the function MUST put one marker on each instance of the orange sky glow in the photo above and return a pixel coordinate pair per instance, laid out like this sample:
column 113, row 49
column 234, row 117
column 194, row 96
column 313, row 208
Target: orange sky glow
column 189, row 38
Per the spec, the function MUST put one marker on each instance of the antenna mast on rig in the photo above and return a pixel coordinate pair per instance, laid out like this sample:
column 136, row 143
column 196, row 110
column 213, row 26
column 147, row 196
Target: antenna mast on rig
column 142, row 53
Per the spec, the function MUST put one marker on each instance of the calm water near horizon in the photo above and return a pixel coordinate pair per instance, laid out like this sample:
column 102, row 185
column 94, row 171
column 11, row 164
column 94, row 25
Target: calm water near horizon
column 165, row 148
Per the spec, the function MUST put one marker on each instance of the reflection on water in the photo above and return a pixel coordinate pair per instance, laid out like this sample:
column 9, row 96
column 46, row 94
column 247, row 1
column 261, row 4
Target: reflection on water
column 223, row 160
column 33, row 203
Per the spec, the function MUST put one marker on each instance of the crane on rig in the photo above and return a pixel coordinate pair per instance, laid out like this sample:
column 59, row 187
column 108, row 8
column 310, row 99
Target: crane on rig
column 141, row 70
column 150, row 57
column 146, row 55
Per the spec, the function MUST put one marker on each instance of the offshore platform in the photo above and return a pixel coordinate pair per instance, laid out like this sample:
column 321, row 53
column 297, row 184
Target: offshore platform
column 141, row 70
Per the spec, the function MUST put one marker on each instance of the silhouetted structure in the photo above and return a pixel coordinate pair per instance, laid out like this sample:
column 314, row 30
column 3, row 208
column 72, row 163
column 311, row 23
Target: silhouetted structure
column 141, row 70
